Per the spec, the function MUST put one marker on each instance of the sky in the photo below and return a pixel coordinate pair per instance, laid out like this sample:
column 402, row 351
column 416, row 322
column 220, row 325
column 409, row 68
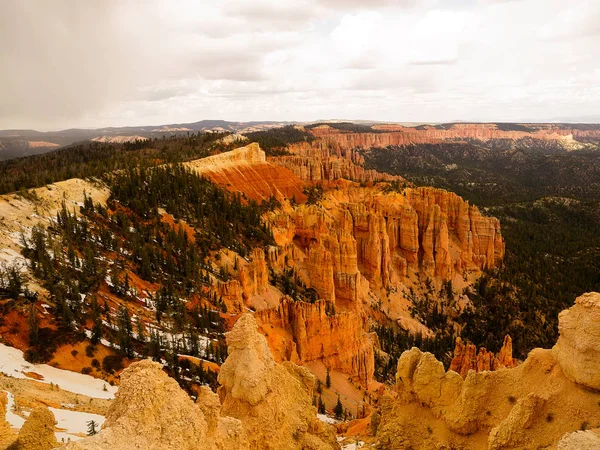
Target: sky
column 96, row 63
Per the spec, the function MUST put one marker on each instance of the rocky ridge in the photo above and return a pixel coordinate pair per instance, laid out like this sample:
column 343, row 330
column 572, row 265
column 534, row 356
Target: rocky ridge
column 398, row 135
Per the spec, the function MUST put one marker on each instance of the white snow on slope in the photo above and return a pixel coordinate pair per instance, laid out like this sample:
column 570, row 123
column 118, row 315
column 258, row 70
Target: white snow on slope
column 13, row 419
column 13, row 364
column 74, row 422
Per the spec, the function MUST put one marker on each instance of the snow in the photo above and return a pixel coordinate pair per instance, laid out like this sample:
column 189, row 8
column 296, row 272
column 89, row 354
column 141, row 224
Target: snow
column 326, row 419
column 13, row 364
column 74, row 422
column 12, row 258
column 351, row 445
column 14, row 420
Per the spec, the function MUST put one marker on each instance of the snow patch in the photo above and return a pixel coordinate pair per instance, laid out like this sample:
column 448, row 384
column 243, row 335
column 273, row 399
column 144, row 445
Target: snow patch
column 74, row 422
column 13, row 364
column 13, row 419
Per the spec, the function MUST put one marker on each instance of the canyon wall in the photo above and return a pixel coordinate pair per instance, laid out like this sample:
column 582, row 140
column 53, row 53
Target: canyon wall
column 398, row 135
column 363, row 234
column 245, row 170
column 316, row 332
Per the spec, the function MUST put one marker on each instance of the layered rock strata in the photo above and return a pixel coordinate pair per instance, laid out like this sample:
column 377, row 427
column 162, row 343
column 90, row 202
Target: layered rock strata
column 362, row 234
column 316, row 333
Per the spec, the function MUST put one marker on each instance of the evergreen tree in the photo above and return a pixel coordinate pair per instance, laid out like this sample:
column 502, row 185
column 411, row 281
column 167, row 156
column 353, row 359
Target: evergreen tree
column 33, row 326
column 125, row 332
column 339, row 409
column 97, row 322
column 328, row 380
column 321, row 406
column 92, row 428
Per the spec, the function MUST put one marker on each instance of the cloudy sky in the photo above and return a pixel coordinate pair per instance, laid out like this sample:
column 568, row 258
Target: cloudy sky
column 94, row 63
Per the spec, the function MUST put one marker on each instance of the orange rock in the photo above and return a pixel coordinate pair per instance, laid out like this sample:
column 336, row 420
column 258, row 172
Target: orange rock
column 466, row 358
column 337, row 339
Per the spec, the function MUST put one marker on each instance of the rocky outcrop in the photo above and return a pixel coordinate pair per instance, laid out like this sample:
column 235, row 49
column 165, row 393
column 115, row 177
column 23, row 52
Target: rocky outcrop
column 467, row 358
column 245, row 170
column 273, row 401
column 37, row 432
column 529, row 406
column 578, row 347
column 318, row 333
column 580, row 440
column 254, row 276
column 151, row 411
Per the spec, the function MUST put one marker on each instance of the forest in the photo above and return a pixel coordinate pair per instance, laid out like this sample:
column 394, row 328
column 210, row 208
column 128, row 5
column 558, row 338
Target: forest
column 93, row 159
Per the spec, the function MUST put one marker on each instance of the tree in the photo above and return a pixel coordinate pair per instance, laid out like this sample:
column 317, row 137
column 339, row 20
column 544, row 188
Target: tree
column 33, row 327
column 125, row 332
column 92, row 428
column 321, row 407
column 339, row 409
column 328, row 380
column 141, row 333
column 97, row 320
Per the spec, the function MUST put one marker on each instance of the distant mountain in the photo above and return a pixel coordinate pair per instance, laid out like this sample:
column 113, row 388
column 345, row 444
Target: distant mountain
column 17, row 143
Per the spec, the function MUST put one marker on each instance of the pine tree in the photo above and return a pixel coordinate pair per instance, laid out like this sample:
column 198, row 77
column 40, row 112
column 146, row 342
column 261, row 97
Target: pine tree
column 321, row 407
column 141, row 333
column 33, row 327
column 97, row 320
column 328, row 380
column 92, row 428
column 125, row 332
column 339, row 409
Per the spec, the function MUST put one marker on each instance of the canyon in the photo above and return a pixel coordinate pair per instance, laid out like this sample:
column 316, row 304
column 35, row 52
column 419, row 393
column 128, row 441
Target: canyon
column 351, row 258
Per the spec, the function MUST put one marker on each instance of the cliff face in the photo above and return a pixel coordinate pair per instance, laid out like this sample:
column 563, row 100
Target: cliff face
column 246, row 170
column 273, row 401
column 398, row 135
column 530, row 406
column 467, row 358
column 362, row 234
column 316, row 333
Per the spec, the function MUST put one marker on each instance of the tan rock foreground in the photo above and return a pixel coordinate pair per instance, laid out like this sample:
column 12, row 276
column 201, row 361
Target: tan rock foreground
column 530, row 406
column 264, row 405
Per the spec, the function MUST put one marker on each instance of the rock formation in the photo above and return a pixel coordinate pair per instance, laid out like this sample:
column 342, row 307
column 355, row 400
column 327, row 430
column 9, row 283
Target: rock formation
column 360, row 234
column 578, row 347
column 398, row 135
column 580, row 440
column 530, row 406
column 246, row 170
column 273, row 401
column 467, row 358
column 37, row 432
column 151, row 411
column 317, row 334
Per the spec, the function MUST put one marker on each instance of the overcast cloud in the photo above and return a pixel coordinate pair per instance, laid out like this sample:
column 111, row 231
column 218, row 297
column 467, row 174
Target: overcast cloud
column 95, row 63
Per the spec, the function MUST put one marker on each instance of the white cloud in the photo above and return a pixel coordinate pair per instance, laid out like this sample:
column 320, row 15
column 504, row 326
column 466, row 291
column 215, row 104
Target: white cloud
column 97, row 63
